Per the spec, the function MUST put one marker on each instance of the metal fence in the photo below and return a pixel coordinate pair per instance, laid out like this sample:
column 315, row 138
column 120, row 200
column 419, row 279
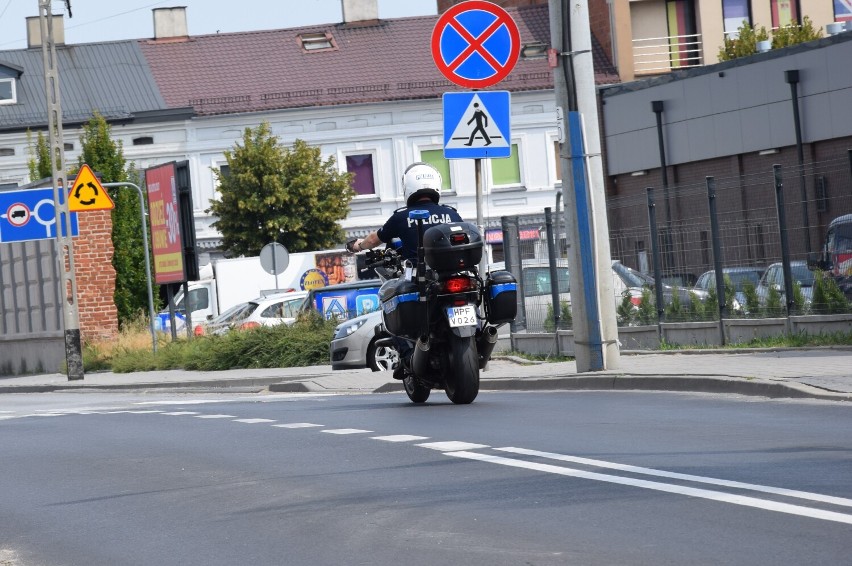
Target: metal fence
column 760, row 230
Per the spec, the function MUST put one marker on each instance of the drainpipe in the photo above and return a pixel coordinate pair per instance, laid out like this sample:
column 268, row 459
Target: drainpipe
column 792, row 78
column 657, row 108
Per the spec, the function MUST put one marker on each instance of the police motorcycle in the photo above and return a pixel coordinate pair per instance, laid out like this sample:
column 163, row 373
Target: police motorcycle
column 444, row 307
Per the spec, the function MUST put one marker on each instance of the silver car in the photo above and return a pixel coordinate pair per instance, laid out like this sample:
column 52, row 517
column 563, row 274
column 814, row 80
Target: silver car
column 354, row 345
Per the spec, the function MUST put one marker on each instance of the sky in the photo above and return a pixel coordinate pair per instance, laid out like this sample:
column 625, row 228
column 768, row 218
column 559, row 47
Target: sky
column 109, row 20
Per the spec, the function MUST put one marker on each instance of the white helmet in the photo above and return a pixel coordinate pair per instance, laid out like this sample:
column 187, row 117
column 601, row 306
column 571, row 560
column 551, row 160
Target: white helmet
column 421, row 179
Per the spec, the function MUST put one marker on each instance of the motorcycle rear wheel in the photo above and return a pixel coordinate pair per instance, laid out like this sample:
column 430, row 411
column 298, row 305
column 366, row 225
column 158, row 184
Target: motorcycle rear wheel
column 462, row 378
column 415, row 389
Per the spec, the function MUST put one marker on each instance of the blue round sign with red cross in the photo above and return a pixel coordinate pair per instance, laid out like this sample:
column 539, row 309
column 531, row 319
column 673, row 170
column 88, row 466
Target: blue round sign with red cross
column 476, row 44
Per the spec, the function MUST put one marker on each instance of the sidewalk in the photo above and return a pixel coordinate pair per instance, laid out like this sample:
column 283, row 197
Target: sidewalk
column 821, row 373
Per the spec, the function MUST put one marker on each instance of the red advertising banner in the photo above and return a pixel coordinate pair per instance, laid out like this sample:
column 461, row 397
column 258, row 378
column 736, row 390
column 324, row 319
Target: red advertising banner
column 164, row 215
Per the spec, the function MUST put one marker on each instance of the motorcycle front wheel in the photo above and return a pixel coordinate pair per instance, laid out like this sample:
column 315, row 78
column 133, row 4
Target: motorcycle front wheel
column 462, row 377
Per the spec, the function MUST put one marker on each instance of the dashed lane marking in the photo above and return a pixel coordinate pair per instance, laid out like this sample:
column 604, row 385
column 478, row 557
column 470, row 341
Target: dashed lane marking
column 346, row 431
column 400, row 438
column 452, row 446
column 180, row 413
column 298, row 425
column 254, row 421
column 215, row 416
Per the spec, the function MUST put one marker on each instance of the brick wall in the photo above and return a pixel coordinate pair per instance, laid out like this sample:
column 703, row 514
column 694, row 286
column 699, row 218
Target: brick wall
column 93, row 253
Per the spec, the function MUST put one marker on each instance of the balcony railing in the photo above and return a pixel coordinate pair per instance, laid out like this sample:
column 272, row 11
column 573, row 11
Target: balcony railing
column 655, row 55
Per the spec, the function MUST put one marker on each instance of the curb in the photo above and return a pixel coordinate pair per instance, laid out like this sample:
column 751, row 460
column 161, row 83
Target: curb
column 699, row 384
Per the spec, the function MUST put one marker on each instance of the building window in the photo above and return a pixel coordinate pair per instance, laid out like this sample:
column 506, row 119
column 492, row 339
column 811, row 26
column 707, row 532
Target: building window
column 144, row 140
column 7, row 151
column 224, row 170
column 735, row 13
column 68, row 146
column 311, row 42
column 506, row 171
column 784, row 12
column 361, row 166
column 8, row 94
column 435, row 158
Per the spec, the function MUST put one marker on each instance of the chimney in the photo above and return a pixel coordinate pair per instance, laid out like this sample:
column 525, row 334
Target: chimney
column 170, row 22
column 360, row 11
column 34, row 31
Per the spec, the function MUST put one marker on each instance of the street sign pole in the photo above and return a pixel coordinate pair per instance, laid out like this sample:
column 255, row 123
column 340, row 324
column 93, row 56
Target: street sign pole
column 68, row 281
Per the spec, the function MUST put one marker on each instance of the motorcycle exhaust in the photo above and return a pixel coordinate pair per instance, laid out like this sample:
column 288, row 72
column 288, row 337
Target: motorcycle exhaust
column 420, row 357
column 485, row 342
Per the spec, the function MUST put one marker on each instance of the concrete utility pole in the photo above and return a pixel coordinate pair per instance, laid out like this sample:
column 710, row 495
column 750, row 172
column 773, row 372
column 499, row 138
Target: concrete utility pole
column 592, row 298
column 68, row 292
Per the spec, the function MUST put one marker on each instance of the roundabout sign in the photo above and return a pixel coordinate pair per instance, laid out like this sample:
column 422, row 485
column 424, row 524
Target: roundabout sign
column 476, row 44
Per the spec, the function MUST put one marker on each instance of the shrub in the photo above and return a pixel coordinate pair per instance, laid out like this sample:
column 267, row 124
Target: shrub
column 793, row 34
column 798, row 298
column 752, row 305
column 625, row 312
column 743, row 43
column 565, row 320
column 647, row 312
column 827, row 297
column 773, row 305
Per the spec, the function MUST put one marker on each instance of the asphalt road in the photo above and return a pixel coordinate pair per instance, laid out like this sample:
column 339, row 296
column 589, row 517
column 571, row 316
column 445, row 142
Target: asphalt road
column 515, row 478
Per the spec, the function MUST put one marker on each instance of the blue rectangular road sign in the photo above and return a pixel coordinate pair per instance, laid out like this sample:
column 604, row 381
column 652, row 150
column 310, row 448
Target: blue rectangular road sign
column 30, row 215
column 477, row 124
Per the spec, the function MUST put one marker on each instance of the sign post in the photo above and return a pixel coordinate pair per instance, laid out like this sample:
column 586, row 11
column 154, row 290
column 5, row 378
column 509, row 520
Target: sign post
column 476, row 44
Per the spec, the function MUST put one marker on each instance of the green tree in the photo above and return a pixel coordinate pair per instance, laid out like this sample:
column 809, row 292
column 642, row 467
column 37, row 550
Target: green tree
column 752, row 306
column 39, row 161
column 625, row 311
column 827, row 297
column 647, row 312
column 106, row 157
column 273, row 193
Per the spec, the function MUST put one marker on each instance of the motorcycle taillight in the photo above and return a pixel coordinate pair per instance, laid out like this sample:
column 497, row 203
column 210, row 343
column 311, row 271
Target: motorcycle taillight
column 459, row 284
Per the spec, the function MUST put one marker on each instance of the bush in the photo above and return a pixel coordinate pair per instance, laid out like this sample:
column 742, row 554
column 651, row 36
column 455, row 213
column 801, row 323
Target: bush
column 793, row 34
column 625, row 312
column 773, row 305
column 647, row 312
column 752, row 305
column 304, row 343
column 565, row 320
column 743, row 43
column 827, row 297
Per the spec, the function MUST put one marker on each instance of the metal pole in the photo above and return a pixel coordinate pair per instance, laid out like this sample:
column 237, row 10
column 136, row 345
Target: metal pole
column 792, row 78
column 657, row 107
column 480, row 222
column 554, row 276
column 785, row 248
column 717, row 257
column 151, row 313
column 64, row 240
column 655, row 254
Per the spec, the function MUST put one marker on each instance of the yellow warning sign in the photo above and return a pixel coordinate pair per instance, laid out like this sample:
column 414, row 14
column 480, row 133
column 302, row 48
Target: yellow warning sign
column 88, row 193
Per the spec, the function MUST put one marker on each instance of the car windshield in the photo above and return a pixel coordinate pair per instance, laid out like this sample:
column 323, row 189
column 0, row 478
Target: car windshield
column 537, row 281
column 237, row 312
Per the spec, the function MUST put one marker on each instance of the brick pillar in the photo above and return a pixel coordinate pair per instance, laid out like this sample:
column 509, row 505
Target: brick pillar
column 93, row 253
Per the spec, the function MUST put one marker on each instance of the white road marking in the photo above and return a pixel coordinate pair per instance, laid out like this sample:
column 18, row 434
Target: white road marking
column 346, row 431
column 5, row 418
column 215, row 416
column 145, row 412
column 297, row 425
column 179, row 413
column 452, row 446
column 658, row 486
column 400, row 438
column 674, row 475
column 254, row 421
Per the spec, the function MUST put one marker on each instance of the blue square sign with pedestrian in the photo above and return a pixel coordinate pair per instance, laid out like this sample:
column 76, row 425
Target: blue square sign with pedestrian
column 477, row 125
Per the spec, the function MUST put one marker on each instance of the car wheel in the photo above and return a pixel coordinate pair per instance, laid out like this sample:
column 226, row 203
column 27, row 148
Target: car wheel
column 382, row 358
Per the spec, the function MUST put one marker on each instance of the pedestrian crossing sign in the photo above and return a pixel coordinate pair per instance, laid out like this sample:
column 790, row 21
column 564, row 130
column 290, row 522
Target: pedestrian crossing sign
column 477, row 125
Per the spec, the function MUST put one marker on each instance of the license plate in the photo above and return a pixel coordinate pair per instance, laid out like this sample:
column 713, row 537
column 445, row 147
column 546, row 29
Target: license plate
column 462, row 316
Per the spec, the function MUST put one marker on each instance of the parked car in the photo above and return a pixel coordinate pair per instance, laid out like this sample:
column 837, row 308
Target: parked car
column 536, row 283
column 739, row 276
column 774, row 279
column 679, row 280
column 282, row 308
column 354, row 345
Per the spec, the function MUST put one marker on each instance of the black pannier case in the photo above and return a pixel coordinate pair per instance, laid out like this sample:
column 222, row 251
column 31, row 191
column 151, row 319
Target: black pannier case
column 501, row 297
column 402, row 311
column 454, row 246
